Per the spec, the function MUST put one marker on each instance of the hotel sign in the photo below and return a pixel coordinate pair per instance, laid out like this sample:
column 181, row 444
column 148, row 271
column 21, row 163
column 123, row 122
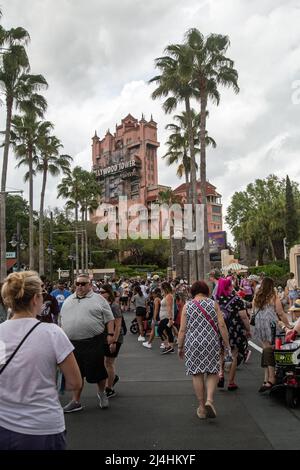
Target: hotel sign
column 117, row 168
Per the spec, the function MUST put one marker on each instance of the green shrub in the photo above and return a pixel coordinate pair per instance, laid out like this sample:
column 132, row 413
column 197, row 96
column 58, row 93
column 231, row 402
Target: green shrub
column 277, row 270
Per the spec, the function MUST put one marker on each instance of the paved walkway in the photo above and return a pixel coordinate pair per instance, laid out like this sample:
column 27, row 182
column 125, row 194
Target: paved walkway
column 155, row 409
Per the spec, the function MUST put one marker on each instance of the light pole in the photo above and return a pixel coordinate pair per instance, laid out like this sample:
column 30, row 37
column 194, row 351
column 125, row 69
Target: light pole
column 50, row 249
column 72, row 258
column 181, row 254
column 18, row 243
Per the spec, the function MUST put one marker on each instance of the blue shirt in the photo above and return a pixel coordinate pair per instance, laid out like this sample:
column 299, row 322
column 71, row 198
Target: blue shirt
column 60, row 296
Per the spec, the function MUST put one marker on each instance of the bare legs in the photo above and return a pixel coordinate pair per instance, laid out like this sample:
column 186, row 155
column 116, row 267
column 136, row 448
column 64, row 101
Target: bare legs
column 110, row 368
column 200, row 388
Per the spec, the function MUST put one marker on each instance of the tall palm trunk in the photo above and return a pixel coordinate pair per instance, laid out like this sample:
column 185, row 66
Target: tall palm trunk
column 188, row 198
column 31, row 228
column 86, row 242
column 76, row 240
column 193, row 188
column 41, row 224
column 9, row 105
column 205, row 265
column 82, row 241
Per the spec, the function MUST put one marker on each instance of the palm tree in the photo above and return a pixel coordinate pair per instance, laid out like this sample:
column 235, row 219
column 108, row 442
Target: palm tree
column 17, row 85
column 210, row 68
column 49, row 162
column 169, row 197
column 176, row 86
column 25, row 133
column 89, row 201
column 70, row 188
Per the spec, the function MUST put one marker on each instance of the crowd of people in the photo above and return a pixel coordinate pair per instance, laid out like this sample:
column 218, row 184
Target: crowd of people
column 77, row 332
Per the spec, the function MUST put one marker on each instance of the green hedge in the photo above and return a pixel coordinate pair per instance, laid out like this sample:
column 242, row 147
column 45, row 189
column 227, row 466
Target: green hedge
column 278, row 270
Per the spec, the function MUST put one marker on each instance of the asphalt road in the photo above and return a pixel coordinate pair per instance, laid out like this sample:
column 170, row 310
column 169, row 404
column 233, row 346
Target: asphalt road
column 155, row 409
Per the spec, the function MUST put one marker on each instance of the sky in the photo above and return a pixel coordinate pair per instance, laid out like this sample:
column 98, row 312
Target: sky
column 98, row 55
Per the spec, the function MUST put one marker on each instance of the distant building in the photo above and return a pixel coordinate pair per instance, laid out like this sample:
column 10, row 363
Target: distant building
column 214, row 205
column 125, row 163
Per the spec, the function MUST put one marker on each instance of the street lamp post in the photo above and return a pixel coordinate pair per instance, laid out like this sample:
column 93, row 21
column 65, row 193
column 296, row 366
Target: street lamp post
column 50, row 249
column 18, row 243
column 181, row 254
column 72, row 258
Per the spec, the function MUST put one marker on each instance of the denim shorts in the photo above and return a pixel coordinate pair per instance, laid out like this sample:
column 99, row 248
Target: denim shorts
column 293, row 294
column 10, row 440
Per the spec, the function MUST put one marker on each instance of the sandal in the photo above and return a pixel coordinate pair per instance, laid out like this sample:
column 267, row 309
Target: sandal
column 201, row 413
column 265, row 387
column 210, row 410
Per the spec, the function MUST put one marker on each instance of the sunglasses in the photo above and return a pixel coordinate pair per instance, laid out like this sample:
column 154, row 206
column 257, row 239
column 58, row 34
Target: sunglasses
column 82, row 284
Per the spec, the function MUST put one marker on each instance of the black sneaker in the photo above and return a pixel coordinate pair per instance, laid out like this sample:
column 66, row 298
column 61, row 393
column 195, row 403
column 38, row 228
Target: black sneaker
column 72, row 407
column 110, row 392
column 116, row 379
column 168, row 350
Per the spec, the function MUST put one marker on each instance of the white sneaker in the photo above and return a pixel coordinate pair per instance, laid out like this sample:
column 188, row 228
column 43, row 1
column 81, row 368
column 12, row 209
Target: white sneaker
column 162, row 346
column 103, row 400
column 141, row 338
column 147, row 345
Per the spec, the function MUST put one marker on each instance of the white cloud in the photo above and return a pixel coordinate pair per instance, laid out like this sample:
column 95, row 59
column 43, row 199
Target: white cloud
column 98, row 56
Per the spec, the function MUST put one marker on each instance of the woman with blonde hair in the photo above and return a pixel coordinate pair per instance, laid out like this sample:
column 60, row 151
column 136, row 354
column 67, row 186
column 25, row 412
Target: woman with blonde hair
column 31, row 417
column 267, row 310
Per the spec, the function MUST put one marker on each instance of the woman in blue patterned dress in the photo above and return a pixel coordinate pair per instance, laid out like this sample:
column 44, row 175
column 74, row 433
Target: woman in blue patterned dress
column 201, row 325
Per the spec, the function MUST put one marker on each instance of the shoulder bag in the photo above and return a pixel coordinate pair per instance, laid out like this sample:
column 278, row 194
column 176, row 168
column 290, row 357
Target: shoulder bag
column 18, row 347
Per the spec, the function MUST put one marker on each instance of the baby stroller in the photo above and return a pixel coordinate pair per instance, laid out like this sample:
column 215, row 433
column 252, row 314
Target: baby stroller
column 134, row 327
column 287, row 368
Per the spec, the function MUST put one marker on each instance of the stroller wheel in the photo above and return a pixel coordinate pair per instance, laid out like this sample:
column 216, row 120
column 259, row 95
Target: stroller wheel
column 134, row 328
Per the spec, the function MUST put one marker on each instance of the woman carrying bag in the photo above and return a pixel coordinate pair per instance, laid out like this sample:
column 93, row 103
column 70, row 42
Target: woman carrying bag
column 31, row 417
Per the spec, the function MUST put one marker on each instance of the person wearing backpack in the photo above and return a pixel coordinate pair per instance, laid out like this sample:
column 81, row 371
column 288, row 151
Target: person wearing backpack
column 111, row 351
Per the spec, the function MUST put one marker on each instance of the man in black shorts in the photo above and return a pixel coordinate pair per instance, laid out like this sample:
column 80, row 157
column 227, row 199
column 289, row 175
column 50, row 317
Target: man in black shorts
column 84, row 316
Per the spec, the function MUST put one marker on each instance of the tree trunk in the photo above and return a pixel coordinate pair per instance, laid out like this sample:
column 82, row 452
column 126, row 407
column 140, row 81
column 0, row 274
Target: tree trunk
column 205, row 268
column 31, row 234
column 76, row 240
column 188, row 198
column 193, row 189
column 86, row 242
column 272, row 249
column 41, row 224
column 82, row 241
column 9, row 105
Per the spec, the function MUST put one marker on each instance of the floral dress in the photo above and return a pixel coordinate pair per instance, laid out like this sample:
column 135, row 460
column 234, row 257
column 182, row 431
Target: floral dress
column 231, row 306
